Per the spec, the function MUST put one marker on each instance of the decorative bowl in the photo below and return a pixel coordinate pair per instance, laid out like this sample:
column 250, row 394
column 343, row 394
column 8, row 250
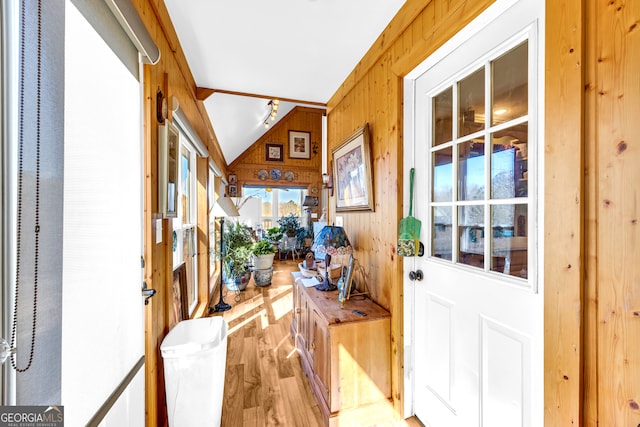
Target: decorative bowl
column 307, row 272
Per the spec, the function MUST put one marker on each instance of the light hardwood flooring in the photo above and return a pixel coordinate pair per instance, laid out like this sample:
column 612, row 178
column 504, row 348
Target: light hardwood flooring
column 264, row 381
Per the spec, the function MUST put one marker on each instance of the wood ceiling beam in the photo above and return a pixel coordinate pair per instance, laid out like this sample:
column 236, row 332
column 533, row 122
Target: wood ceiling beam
column 203, row 93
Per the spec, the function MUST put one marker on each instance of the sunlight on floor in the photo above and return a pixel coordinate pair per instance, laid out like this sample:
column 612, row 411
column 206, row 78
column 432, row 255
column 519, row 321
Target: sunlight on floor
column 281, row 303
column 238, row 326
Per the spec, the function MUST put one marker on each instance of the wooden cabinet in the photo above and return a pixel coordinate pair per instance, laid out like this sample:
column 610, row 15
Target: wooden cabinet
column 345, row 356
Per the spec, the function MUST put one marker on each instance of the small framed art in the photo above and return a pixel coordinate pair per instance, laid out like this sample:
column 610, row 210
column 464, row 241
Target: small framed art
column 274, row 152
column 299, row 144
column 168, row 149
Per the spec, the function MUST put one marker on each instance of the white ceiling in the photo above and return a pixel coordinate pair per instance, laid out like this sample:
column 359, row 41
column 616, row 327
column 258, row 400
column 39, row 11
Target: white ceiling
column 295, row 49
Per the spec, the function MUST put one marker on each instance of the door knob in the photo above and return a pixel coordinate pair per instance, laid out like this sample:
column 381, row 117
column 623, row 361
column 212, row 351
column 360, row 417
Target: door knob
column 147, row 293
column 416, row 275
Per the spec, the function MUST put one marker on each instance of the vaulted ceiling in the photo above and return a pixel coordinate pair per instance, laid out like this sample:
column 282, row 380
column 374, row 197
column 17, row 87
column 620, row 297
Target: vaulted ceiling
column 299, row 51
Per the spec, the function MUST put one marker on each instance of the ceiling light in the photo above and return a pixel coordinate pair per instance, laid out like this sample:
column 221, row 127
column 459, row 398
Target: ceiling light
column 500, row 111
column 273, row 105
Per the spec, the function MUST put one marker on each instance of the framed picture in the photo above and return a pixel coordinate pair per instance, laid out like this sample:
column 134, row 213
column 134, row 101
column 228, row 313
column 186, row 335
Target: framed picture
column 299, row 144
column 233, row 179
column 345, row 291
column 168, row 149
column 233, row 190
column 352, row 165
column 179, row 308
column 274, row 152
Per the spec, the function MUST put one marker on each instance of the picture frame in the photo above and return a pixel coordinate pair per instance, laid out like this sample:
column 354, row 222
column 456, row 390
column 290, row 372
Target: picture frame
column 233, row 191
column 299, row 144
column 274, row 152
column 347, row 281
column 233, row 179
column 168, row 151
column 353, row 172
column 179, row 307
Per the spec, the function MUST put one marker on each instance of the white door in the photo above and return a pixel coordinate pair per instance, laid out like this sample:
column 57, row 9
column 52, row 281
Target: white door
column 477, row 313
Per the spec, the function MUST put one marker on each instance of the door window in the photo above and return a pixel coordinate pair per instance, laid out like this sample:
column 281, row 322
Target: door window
column 480, row 120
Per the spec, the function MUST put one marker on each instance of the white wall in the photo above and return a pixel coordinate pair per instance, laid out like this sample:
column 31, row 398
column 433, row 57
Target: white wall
column 251, row 212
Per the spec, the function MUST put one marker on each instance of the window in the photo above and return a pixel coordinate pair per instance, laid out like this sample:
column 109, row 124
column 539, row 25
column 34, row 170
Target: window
column 273, row 204
column 185, row 224
column 212, row 195
column 479, row 128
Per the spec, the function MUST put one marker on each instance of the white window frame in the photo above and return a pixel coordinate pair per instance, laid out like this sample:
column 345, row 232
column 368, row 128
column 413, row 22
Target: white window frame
column 275, row 201
column 179, row 227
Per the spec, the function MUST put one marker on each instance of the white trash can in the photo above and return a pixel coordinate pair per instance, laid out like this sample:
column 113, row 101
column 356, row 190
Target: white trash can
column 195, row 359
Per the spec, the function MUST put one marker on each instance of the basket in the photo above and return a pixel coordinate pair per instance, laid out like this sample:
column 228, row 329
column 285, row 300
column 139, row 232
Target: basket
column 335, row 271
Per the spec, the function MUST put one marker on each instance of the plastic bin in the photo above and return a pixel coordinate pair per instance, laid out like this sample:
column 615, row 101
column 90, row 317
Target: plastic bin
column 195, row 357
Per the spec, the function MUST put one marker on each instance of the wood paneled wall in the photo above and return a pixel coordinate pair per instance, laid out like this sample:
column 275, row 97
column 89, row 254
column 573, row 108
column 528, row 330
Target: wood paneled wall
column 591, row 195
column 172, row 76
column 373, row 94
column 307, row 172
column 612, row 154
column 563, row 193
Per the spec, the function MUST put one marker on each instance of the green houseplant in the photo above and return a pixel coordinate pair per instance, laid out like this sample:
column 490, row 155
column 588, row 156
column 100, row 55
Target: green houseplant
column 289, row 225
column 236, row 255
column 305, row 237
column 263, row 253
column 274, row 235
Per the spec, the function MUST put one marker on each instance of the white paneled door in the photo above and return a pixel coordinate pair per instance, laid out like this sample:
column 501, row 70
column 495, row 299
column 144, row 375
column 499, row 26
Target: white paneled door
column 476, row 322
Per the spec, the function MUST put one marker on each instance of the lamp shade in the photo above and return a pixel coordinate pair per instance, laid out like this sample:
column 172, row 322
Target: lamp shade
column 310, row 201
column 331, row 240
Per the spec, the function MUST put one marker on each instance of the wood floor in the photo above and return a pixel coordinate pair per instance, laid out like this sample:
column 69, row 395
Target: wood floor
column 264, row 382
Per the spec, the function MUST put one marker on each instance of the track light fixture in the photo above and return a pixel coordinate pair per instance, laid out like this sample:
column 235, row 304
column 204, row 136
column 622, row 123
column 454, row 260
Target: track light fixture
column 273, row 104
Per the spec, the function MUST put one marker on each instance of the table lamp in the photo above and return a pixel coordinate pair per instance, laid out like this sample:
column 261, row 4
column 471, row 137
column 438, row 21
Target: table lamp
column 331, row 241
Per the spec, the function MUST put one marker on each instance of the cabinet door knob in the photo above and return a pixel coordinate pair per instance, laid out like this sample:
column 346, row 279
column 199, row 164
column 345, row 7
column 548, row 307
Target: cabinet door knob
column 298, row 310
column 313, row 345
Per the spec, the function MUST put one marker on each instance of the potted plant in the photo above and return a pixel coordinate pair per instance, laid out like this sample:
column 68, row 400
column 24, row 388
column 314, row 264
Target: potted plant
column 289, row 225
column 236, row 256
column 274, row 235
column 263, row 253
column 305, row 237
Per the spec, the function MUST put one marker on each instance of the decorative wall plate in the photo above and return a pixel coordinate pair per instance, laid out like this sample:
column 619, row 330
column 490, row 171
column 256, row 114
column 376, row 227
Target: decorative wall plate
column 276, row 174
column 263, row 174
column 289, row 176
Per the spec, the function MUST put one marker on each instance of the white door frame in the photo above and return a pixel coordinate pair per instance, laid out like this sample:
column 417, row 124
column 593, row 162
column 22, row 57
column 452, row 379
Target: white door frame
column 482, row 20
